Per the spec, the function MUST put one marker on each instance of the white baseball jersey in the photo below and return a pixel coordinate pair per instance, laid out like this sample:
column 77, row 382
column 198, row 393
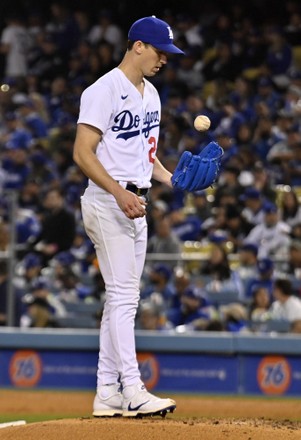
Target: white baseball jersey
column 129, row 123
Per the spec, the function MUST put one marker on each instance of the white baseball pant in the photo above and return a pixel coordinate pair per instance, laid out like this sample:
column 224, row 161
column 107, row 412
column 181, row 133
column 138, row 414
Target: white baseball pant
column 120, row 245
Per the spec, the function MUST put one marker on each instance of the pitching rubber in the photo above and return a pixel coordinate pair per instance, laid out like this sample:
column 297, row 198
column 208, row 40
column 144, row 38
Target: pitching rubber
column 14, row 423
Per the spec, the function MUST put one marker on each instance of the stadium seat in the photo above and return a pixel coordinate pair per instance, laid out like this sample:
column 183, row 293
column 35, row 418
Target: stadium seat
column 82, row 308
column 77, row 321
column 270, row 325
column 222, row 298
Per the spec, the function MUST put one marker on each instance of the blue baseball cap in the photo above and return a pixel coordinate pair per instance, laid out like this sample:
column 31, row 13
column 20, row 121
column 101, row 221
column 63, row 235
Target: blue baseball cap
column 154, row 31
column 270, row 207
column 32, row 260
column 250, row 193
column 265, row 265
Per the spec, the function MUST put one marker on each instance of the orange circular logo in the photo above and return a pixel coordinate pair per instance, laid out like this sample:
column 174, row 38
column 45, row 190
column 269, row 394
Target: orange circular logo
column 274, row 375
column 149, row 369
column 25, row 368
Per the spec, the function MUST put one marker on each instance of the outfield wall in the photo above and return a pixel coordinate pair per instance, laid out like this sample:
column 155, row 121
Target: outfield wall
column 214, row 362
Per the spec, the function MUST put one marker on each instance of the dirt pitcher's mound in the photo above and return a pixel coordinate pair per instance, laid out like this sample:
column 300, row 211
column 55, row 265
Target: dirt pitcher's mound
column 155, row 428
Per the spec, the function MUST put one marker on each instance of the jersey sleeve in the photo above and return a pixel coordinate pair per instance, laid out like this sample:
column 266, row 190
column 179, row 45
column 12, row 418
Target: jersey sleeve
column 96, row 107
column 6, row 37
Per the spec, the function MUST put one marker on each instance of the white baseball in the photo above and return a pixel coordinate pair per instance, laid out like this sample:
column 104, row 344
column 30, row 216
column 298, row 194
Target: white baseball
column 202, row 123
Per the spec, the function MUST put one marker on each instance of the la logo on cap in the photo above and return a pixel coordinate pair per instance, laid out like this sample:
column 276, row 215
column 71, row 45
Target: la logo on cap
column 170, row 33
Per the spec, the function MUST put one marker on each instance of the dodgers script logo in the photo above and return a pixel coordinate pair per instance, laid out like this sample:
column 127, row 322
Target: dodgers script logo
column 129, row 124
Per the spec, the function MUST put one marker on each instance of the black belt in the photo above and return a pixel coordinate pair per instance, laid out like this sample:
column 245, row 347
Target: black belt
column 134, row 189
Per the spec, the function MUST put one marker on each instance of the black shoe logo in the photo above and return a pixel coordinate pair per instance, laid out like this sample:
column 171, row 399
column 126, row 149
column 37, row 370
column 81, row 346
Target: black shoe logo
column 124, row 96
column 136, row 407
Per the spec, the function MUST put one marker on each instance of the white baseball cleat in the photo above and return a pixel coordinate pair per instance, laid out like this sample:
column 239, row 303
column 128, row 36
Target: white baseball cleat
column 108, row 401
column 137, row 401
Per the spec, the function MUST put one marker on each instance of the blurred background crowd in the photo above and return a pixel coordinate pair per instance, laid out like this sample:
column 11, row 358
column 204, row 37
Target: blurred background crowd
column 228, row 258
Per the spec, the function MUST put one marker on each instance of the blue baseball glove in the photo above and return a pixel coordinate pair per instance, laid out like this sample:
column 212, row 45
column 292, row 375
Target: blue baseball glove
column 198, row 171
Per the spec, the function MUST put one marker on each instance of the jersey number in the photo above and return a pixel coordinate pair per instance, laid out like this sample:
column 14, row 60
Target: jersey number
column 152, row 150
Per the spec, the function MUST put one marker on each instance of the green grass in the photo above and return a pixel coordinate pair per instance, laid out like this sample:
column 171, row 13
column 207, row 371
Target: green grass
column 31, row 418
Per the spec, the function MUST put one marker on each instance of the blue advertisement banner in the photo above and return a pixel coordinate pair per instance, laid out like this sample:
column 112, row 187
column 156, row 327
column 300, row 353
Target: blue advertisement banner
column 190, row 373
column 57, row 369
column 195, row 373
column 48, row 369
column 272, row 375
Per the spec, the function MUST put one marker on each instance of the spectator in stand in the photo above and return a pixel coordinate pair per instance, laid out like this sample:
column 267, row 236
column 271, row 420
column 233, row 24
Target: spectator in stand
column 255, row 51
column 223, row 64
column 159, row 281
column 37, row 313
column 263, row 137
column 83, row 251
column 216, row 275
column 290, row 210
column 193, row 307
column 293, row 168
column 291, row 102
column 187, row 25
column 151, row 315
column 271, row 236
column 281, row 156
column 242, row 98
column 292, row 30
column 189, row 70
column 279, row 55
column 105, row 51
column 235, row 226
column 182, row 280
column 262, row 181
column 185, row 226
column 83, row 20
column 296, row 232
column 27, row 270
column 15, row 165
column 286, row 306
column 14, row 44
column 41, row 306
column 247, row 254
column 57, row 226
column 228, row 182
column 32, row 120
column 260, row 304
column 16, row 133
column 164, row 240
column 294, row 262
column 267, row 96
column 28, row 228
column 46, row 61
column 231, row 118
column 60, row 142
column 106, row 29
column 43, row 169
column 201, row 205
column 253, row 206
column 29, row 195
column 223, row 137
column 233, row 317
column 265, row 278
column 157, row 209
column 55, row 99
column 63, row 28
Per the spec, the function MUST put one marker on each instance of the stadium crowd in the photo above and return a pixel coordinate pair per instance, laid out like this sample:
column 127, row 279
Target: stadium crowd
column 244, row 73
